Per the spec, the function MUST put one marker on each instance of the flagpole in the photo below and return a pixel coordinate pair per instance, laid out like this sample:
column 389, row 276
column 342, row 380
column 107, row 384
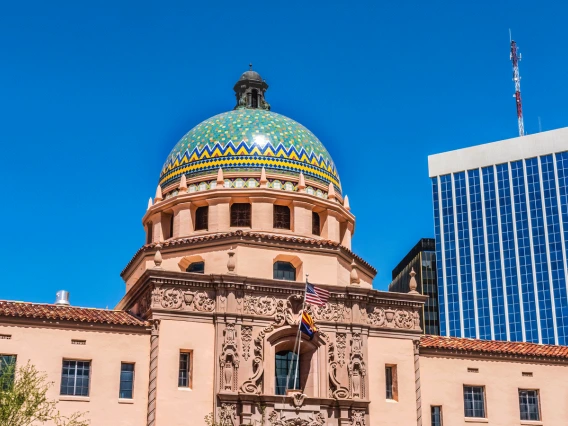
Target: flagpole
column 300, row 332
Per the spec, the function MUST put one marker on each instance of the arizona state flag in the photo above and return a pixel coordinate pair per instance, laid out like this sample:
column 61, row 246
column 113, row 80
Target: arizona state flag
column 307, row 325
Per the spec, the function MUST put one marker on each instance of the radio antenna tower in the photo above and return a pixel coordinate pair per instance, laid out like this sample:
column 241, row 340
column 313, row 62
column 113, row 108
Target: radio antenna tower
column 515, row 58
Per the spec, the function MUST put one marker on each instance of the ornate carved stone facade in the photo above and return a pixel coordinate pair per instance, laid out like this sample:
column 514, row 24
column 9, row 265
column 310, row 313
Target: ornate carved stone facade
column 253, row 318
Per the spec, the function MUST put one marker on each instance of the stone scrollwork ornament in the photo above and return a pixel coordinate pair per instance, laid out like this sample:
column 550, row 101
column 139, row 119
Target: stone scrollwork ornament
column 404, row 319
column 253, row 385
column 329, row 312
column 337, row 390
column 263, row 305
column 203, row 303
column 172, row 298
column 377, row 317
column 276, row 420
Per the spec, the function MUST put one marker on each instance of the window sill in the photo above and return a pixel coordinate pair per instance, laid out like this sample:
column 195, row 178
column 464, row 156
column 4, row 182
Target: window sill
column 74, row 398
column 476, row 419
column 391, row 401
column 531, row 422
column 185, row 389
column 125, row 401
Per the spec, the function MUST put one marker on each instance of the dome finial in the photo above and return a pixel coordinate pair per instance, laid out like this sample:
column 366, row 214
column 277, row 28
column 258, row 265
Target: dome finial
column 250, row 89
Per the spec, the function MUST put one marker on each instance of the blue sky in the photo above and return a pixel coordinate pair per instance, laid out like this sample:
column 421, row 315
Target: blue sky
column 93, row 96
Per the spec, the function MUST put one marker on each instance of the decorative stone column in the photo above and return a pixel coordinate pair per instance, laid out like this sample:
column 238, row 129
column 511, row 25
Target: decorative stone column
column 157, row 234
column 262, row 210
column 417, row 382
column 331, row 226
column 347, row 233
column 302, row 215
column 152, row 385
column 183, row 223
column 219, row 214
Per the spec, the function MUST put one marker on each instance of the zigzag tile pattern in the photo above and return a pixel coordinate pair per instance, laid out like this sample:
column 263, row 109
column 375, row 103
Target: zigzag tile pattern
column 247, row 140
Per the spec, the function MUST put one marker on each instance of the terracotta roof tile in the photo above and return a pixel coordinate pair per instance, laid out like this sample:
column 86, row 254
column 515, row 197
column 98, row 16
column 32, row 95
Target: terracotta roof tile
column 493, row 347
column 314, row 242
column 67, row 313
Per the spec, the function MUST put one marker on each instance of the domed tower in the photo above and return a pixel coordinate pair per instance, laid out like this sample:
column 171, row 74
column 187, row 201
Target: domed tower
column 260, row 185
column 249, row 203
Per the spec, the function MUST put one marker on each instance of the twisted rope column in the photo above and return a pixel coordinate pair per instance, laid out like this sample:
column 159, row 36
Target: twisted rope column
column 152, row 385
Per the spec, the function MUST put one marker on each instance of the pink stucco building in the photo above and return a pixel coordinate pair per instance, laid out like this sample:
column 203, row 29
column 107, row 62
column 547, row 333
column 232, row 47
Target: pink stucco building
column 249, row 203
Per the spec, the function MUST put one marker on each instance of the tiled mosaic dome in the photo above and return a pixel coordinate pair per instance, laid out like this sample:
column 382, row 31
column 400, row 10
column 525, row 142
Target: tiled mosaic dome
column 245, row 140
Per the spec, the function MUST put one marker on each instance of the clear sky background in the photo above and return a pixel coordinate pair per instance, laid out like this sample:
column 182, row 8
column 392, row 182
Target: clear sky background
column 93, row 96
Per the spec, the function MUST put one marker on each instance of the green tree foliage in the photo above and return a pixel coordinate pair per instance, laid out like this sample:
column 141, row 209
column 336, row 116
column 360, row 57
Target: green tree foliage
column 24, row 400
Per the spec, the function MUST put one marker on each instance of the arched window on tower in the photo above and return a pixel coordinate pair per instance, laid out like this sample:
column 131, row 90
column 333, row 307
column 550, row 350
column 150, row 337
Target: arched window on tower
column 254, row 100
column 197, row 267
column 285, row 369
column 284, row 271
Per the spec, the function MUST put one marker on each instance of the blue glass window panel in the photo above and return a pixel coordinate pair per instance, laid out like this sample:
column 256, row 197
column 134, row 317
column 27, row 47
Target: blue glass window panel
column 539, row 250
column 494, row 253
column 439, row 268
column 555, row 247
column 479, row 259
column 451, row 270
column 464, row 248
column 524, row 248
column 509, row 255
column 562, row 171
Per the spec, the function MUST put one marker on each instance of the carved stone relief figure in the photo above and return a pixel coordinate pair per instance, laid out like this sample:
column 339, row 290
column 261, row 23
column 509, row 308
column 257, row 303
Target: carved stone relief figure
column 357, row 418
column 228, row 414
column 229, row 360
column 356, row 369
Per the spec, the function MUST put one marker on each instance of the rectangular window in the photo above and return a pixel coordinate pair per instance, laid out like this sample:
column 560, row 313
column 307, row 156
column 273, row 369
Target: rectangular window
column 316, row 227
column 436, row 414
column 7, row 371
column 281, row 218
column 75, row 377
column 240, row 214
column 202, row 218
column 184, row 376
column 474, row 401
column 391, row 382
column 529, row 404
column 126, row 380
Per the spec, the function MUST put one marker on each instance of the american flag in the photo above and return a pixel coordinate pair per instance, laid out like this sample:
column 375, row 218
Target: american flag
column 316, row 296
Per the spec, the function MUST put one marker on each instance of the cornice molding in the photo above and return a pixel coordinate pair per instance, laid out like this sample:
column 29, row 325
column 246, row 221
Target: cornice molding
column 252, row 238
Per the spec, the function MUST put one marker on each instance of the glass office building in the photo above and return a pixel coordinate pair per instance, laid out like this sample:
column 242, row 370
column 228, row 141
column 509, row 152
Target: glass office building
column 421, row 258
column 501, row 222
